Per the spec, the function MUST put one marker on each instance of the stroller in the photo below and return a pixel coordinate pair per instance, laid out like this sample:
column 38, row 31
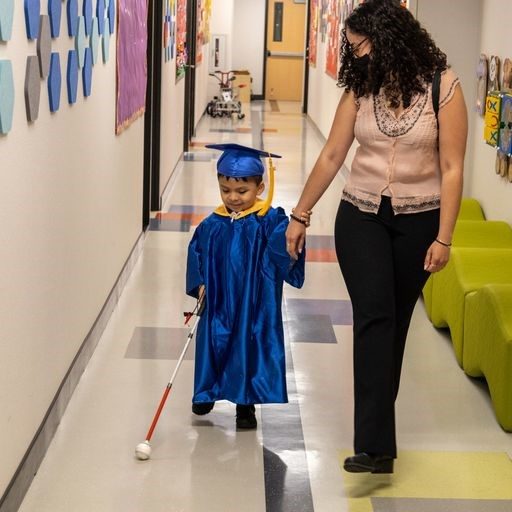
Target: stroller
column 226, row 103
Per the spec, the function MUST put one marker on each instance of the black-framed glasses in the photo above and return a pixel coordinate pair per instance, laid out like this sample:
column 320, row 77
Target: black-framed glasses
column 354, row 46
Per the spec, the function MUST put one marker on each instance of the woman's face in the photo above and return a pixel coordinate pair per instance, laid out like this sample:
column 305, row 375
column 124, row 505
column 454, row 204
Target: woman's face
column 359, row 44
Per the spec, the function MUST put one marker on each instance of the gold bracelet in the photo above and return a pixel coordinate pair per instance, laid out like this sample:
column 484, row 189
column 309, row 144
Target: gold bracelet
column 443, row 243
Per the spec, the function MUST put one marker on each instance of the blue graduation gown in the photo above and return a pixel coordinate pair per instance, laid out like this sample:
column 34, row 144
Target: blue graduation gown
column 239, row 342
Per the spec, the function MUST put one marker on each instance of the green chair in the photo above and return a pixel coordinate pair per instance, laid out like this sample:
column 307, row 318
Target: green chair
column 470, row 209
column 487, row 347
column 472, row 233
column 468, row 270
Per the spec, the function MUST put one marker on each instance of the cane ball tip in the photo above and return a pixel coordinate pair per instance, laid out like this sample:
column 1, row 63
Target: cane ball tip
column 143, row 451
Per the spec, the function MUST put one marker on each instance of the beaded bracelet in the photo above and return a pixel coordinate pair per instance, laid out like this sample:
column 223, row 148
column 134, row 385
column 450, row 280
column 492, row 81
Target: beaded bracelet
column 298, row 219
column 443, row 243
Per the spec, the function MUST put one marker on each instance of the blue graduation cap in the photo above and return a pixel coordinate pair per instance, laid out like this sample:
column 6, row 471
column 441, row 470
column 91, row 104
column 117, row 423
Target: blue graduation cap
column 239, row 161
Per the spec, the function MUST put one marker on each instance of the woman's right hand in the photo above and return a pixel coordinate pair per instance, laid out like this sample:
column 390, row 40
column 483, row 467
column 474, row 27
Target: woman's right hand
column 295, row 238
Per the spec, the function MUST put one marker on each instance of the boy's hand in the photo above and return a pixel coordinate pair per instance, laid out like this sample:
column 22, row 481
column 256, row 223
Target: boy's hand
column 295, row 238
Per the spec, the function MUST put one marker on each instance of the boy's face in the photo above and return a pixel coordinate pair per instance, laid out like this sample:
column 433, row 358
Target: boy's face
column 239, row 195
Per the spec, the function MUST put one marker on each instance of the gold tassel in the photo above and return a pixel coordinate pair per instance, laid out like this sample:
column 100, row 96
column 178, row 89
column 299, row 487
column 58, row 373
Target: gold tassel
column 268, row 201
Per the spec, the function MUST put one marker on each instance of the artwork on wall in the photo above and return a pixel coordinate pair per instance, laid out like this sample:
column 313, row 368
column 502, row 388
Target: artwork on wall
column 32, row 10
column 6, row 96
column 32, row 88
column 507, row 75
column 181, row 38
column 55, row 13
column 313, row 31
column 333, row 38
column 506, row 125
column 54, row 82
column 44, row 46
column 72, row 76
column 87, row 73
column 494, row 74
column 199, row 31
column 207, row 18
column 72, row 16
column 492, row 118
column 6, row 19
column 324, row 8
column 131, row 62
column 481, row 73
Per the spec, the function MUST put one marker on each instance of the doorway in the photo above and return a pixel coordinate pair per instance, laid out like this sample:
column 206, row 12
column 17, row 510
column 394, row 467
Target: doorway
column 190, row 74
column 285, row 45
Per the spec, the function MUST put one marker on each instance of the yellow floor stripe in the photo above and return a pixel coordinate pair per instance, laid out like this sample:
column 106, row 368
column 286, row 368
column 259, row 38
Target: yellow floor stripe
column 448, row 475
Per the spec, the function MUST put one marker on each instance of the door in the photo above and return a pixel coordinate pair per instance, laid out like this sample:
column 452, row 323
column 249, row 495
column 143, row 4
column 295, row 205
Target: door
column 284, row 64
column 151, row 176
column 190, row 74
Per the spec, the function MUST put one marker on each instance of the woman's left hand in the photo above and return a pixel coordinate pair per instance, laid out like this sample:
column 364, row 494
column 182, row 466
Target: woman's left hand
column 437, row 257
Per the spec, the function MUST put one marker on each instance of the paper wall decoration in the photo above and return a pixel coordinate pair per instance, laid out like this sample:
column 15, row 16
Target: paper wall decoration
column 105, row 46
column 32, row 10
column 314, row 12
column 72, row 15
column 131, row 62
column 333, row 39
column 6, row 96
column 181, row 38
column 32, row 88
column 481, row 74
column 44, row 45
column 72, row 76
column 6, row 18
column 94, row 40
column 87, row 73
column 506, row 125
column 80, row 41
column 54, row 82
column 55, row 13
column 87, row 13
column 112, row 15
column 492, row 119
column 507, row 75
column 100, row 14
column 494, row 74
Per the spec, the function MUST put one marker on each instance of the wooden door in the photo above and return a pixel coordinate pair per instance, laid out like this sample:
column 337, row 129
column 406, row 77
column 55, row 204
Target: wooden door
column 286, row 23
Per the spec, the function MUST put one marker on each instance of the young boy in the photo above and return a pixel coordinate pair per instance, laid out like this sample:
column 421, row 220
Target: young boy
column 237, row 258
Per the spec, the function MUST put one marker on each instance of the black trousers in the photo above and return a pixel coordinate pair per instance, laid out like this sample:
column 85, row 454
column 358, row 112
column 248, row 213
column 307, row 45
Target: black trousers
column 381, row 257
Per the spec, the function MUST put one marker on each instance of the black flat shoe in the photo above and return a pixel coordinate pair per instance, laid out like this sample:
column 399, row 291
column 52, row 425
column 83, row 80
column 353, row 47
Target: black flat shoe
column 202, row 408
column 246, row 417
column 366, row 463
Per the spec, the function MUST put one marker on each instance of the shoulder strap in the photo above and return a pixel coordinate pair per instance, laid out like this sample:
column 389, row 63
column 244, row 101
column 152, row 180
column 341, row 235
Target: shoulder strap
column 436, row 86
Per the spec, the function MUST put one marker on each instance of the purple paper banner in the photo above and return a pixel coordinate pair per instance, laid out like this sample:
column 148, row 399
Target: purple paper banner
column 131, row 61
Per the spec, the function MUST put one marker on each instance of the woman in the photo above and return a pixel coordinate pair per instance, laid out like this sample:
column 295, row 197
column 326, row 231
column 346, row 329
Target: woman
column 396, row 217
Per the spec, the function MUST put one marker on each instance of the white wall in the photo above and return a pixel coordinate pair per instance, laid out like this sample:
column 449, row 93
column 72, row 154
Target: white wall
column 494, row 192
column 249, row 40
column 70, row 210
column 462, row 48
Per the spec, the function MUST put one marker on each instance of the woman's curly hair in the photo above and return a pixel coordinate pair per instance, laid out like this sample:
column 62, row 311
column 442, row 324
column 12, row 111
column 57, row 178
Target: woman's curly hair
column 403, row 57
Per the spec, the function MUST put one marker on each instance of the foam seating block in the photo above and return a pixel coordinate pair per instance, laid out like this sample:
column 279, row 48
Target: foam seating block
column 472, row 233
column 468, row 270
column 488, row 345
column 470, row 209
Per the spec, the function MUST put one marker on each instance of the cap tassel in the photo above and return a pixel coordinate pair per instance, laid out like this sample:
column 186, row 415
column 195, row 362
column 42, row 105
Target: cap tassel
column 268, row 201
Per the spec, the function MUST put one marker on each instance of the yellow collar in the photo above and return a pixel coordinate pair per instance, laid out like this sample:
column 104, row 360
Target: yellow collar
column 256, row 207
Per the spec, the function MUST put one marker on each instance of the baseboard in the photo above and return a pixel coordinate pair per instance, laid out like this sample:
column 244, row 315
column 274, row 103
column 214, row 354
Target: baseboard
column 20, row 482
column 170, row 182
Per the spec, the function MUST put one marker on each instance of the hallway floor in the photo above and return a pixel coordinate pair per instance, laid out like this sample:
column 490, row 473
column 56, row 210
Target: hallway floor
column 453, row 456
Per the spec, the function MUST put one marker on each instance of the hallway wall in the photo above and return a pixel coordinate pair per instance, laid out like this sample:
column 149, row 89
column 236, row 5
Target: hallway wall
column 494, row 192
column 70, row 210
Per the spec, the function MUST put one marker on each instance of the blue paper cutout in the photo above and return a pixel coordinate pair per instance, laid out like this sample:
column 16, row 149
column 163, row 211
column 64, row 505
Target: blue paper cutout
column 72, row 76
column 72, row 12
column 55, row 13
column 112, row 15
column 6, row 96
column 6, row 17
column 54, row 82
column 32, row 9
column 87, row 72
column 95, row 40
column 100, row 14
column 80, row 41
column 87, row 12
column 106, row 45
